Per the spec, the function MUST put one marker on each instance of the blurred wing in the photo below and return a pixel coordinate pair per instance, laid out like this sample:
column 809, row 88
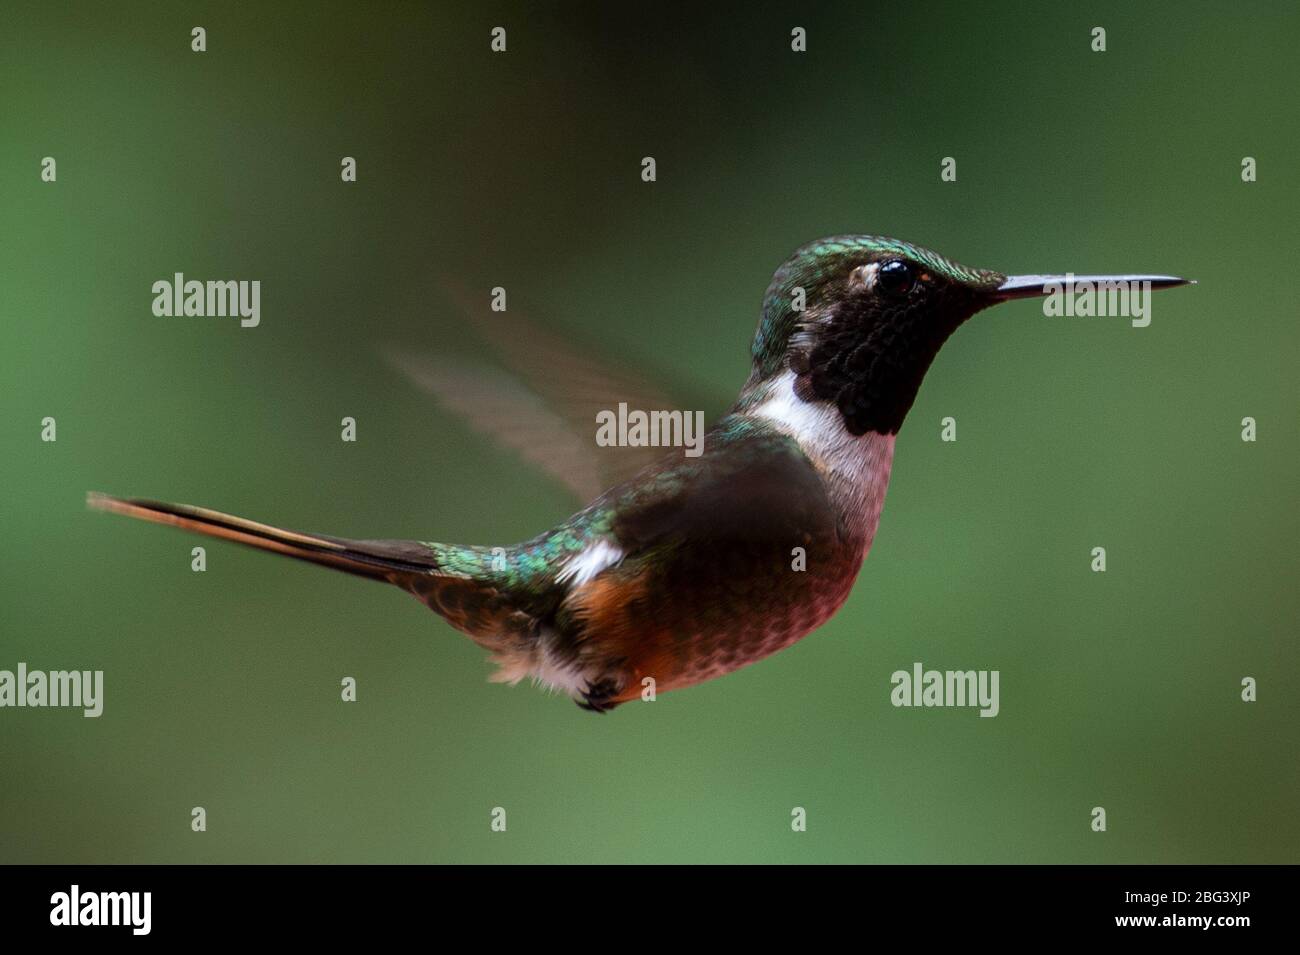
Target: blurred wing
column 499, row 406
column 546, row 407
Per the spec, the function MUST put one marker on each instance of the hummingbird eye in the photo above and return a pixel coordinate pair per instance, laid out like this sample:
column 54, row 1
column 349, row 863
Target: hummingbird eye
column 895, row 277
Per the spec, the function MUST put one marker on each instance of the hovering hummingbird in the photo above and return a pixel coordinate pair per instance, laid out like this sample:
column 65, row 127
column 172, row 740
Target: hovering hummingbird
column 691, row 567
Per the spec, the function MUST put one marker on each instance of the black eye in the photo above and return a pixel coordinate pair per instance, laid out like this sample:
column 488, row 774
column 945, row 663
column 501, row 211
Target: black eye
column 895, row 277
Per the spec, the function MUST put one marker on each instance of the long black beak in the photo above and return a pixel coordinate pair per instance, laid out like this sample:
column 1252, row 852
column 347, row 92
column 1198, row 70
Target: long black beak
column 1034, row 286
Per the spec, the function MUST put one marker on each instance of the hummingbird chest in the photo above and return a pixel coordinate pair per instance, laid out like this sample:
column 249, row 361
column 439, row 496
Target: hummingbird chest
column 722, row 614
column 743, row 562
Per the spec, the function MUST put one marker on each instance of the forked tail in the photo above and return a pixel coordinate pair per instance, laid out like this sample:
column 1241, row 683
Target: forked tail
column 395, row 561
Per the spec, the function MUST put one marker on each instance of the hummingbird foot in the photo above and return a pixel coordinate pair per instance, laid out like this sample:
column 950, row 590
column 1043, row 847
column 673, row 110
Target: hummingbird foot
column 598, row 696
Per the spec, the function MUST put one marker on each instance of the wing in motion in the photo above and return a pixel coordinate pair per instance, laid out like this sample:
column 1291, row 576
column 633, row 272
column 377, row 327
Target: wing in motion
column 543, row 402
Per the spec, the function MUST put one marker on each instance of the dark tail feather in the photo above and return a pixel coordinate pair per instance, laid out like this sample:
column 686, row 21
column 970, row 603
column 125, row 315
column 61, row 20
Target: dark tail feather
column 394, row 561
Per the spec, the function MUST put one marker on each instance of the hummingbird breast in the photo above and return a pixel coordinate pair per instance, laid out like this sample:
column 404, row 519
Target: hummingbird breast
column 704, row 568
column 856, row 468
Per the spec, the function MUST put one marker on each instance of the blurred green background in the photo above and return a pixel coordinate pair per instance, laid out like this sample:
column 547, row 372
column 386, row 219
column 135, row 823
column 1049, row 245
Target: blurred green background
column 222, row 688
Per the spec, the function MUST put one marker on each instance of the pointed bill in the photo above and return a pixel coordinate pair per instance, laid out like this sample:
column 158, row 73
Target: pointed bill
column 1035, row 286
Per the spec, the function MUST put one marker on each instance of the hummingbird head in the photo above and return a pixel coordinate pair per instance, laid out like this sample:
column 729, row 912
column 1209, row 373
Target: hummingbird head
column 858, row 319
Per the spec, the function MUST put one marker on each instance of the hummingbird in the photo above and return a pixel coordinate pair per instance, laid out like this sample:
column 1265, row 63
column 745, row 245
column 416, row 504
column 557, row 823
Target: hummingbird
column 691, row 567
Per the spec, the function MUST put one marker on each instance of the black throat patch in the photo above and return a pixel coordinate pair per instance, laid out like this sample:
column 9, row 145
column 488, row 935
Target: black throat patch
column 868, row 358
